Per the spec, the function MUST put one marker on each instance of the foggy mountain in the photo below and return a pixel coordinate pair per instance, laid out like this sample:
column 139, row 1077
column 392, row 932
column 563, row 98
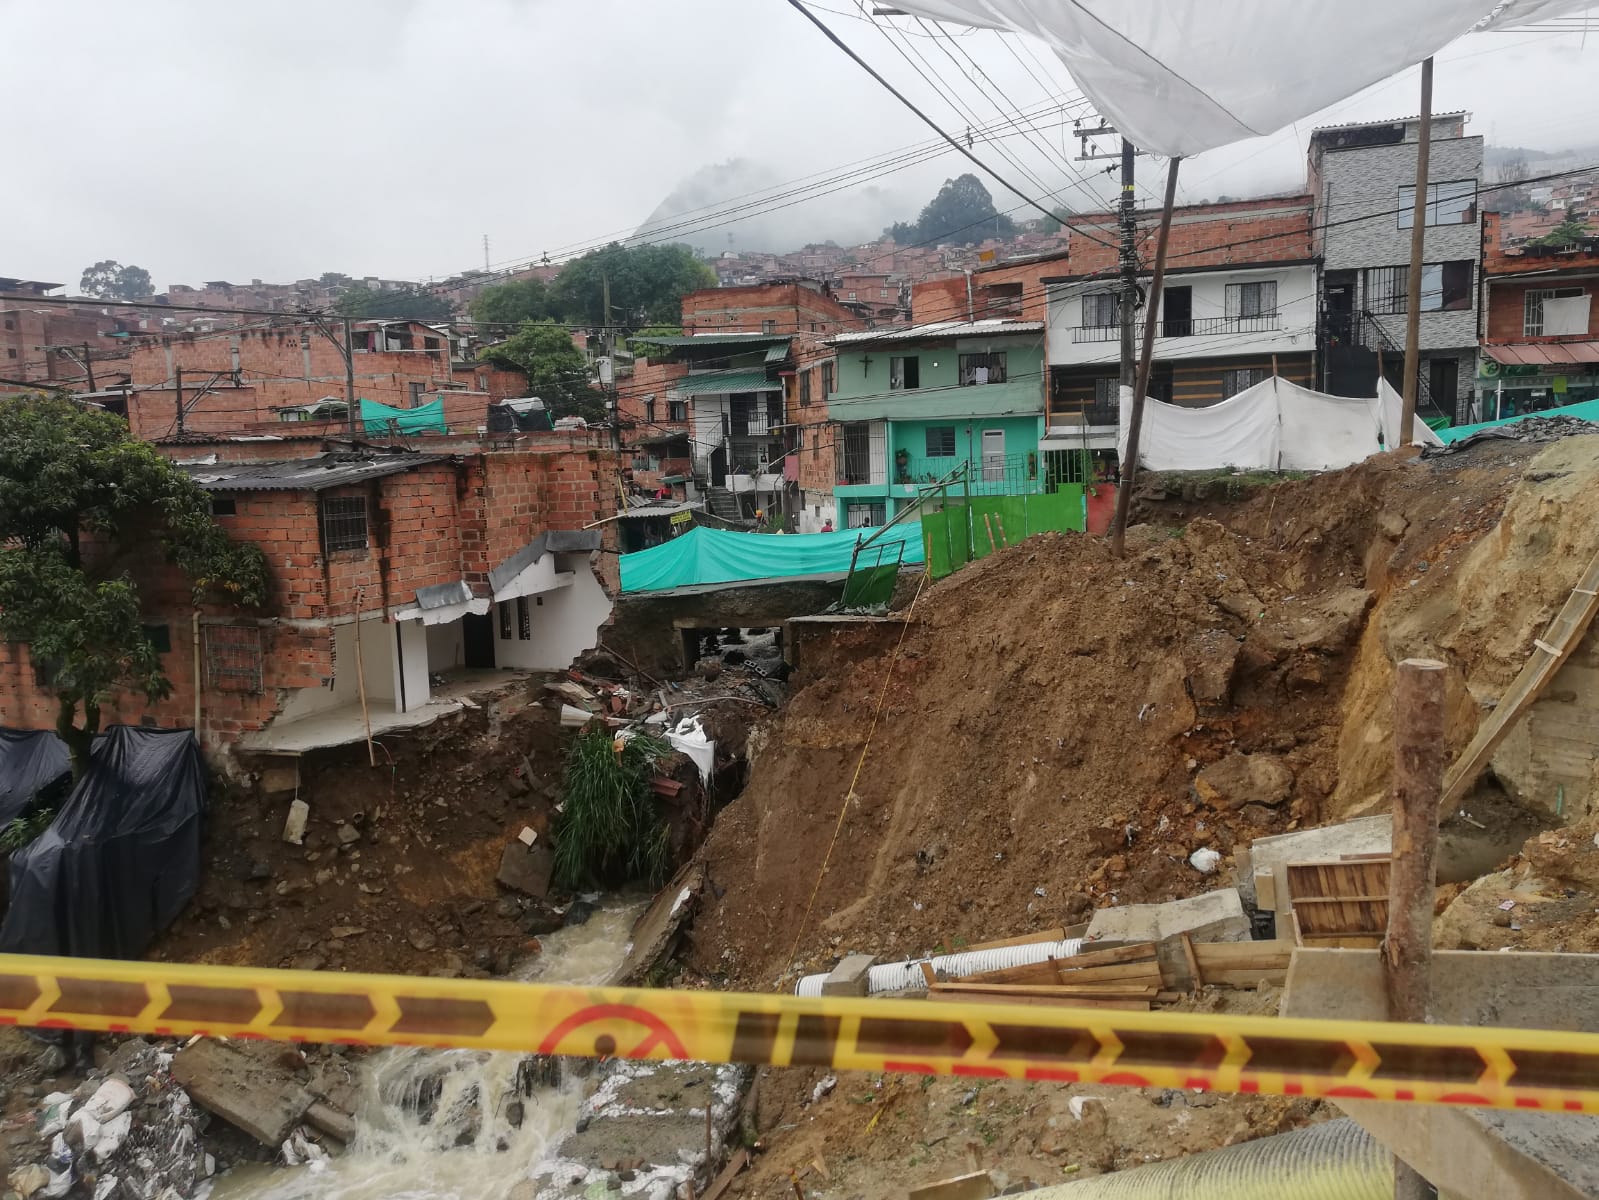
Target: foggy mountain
column 762, row 218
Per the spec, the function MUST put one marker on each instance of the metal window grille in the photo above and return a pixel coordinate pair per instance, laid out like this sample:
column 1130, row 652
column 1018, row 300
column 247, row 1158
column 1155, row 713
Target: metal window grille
column 1233, row 382
column 505, row 620
column 343, row 523
column 524, row 620
column 827, row 380
column 1532, row 310
column 940, row 441
column 1248, row 300
column 1386, row 289
column 1099, row 309
column 982, row 368
column 805, row 388
column 233, row 658
column 865, row 515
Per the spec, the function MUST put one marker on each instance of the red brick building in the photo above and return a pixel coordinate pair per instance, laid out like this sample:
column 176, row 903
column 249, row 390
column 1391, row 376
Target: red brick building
column 389, row 570
column 256, row 379
column 1540, row 345
column 733, row 413
column 42, row 342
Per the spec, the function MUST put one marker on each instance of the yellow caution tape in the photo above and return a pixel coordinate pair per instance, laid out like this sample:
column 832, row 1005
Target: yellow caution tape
column 1427, row 1064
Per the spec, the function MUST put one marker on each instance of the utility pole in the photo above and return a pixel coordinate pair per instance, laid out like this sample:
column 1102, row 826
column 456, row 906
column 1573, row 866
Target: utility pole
column 485, row 252
column 88, row 367
column 1129, row 265
column 177, row 393
column 1418, row 244
column 349, row 377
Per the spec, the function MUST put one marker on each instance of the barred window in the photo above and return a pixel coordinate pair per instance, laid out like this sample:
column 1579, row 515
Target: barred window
column 233, row 658
column 343, row 520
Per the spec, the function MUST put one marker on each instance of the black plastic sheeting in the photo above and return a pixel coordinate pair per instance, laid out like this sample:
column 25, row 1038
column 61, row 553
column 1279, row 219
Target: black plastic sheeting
column 33, row 763
column 122, row 857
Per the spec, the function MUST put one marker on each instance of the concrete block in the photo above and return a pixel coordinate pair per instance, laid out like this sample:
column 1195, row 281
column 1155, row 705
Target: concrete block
column 281, row 780
column 245, row 1085
column 849, row 977
column 294, row 826
column 527, row 869
column 1471, row 1153
column 1210, row 917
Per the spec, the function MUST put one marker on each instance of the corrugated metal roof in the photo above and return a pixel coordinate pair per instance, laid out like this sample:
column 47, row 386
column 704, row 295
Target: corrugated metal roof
column 939, row 329
column 712, row 339
column 1545, row 354
column 551, row 541
column 777, row 353
column 662, row 510
column 725, row 381
column 305, row 474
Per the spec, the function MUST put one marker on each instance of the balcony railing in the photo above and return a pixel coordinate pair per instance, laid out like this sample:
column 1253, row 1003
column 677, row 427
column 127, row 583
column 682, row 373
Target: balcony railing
column 1196, row 327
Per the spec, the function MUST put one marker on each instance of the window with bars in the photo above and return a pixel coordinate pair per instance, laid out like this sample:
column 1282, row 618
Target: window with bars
column 1255, row 299
column 864, row 514
column 1445, row 287
column 676, row 410
column 505, row 620
column 1242, row 379
column 1532, row 314
column 805, row 389
column 941, row 441
column 982, row 368
column 1099, row 310
column 343, row 520
column 233, row 658
column 827, row 380
column 524, row 620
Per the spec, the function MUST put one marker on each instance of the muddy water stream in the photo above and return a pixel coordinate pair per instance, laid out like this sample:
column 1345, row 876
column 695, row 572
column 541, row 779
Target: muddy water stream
column 467, row 1147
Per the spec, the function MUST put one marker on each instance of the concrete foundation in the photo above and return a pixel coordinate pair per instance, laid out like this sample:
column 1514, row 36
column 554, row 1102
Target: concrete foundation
column 1471, row 1153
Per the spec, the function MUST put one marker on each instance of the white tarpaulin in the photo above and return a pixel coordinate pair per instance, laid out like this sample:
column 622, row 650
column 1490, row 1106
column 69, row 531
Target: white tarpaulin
column 1178, row 77
column 1274, row 426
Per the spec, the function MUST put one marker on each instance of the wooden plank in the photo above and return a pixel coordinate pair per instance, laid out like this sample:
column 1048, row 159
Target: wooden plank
column 1194, row 972
column 1026, row 939
column 1229, row 955
column 1135, row 952
column 1247, row 977
column 928, row 974
column 975, row 1186
column 723, row 1181
column 1133, row 970
column 1031, row 989
column 1043, row 1001
column 1047, row 971
column 1557, row 644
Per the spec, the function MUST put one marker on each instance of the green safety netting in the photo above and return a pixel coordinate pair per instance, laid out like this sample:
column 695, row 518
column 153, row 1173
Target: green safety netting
column 1587, row 410
column 721, row 556
column 424, row 418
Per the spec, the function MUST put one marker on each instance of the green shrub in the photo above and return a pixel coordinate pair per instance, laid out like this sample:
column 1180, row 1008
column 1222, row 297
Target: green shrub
column 20, row 832
column 610, row 831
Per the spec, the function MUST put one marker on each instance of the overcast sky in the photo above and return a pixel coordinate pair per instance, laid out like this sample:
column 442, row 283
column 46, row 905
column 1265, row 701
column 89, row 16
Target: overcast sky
column 386, row 137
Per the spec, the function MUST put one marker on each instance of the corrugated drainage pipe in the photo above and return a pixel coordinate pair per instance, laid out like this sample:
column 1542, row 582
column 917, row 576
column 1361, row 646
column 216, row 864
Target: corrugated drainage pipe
column 1335, row 1160
column 895, row 977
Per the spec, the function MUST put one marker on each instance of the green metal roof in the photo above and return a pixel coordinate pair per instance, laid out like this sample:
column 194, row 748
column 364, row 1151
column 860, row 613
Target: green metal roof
column 726, row 381
column 778, row 352
column 712, row 339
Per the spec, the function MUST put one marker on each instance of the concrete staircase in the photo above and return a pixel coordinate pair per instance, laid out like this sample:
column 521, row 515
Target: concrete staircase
column 722, row 503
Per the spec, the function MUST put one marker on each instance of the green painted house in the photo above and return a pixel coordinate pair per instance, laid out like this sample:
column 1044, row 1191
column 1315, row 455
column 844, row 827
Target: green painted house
column 912, row 405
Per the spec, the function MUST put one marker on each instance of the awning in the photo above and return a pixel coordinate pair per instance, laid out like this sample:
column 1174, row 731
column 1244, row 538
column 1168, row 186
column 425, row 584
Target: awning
column 725, row 381
column 1545, row 354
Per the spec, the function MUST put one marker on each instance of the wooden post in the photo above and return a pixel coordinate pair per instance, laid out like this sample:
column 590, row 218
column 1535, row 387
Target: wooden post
column 1124, row 494
column 1412, row 880
column 360, row 679
column 1418, row 245
column 196, row 631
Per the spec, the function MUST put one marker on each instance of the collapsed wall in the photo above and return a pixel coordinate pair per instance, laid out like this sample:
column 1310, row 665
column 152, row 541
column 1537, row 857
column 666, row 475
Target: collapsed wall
column 1061, row 729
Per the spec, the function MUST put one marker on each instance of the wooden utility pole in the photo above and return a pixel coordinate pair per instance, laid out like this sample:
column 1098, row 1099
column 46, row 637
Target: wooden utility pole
column 1412, row 878
column 177, row 394
column 88, row 366
column 1128, row 217
column 349, row 379
column 1124, row 493
column 1418, row 245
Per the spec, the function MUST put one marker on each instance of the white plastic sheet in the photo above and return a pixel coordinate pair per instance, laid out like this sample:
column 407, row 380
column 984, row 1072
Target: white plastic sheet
column 1184, row 76
column 1274, row 426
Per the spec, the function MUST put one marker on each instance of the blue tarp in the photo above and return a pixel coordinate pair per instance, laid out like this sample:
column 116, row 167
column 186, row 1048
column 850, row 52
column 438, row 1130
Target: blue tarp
column 1588, row 410
column 380, row 419
column 720, row 556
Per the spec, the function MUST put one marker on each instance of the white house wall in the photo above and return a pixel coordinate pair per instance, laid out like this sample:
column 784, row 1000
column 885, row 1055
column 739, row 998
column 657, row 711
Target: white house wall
column 707, row 420
column 413, row 641
column 381, row 664
column 446, row 645
column 564, row 621
column 1295, row 332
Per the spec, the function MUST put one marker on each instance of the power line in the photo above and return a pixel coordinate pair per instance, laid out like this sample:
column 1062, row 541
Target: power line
column 900, row 96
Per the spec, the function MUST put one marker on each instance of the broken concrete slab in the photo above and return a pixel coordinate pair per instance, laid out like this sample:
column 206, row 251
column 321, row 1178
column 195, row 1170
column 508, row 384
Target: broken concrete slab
column 294, row 826
column 1471, row 1153
column 1209, row 917
column 656, row 932
column 244, row 1084
column 527, row 869
column 849, row 978
column 1241, row 779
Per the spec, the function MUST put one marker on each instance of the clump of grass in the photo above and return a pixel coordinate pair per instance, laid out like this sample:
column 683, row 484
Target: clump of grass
column 20, row 832
column 610, row 831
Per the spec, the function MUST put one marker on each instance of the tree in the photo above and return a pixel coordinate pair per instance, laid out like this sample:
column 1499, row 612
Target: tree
column 1568, row 233
column 110, row 280
column 640, row 343
column 334, row 279
column 647, row 285
column 557, row 371
column 78, row 499
column 398, row 305
column 513, row 302
column 963, row 212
